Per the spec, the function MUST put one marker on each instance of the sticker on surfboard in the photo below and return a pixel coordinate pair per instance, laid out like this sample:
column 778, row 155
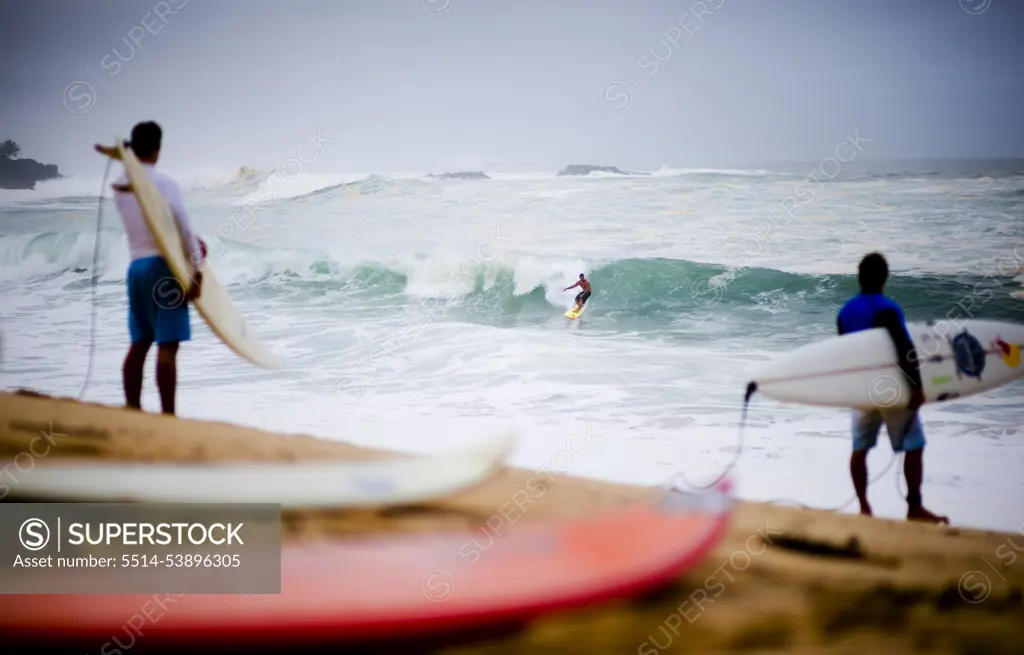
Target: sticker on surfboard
column 393, row 587
column 969, row 355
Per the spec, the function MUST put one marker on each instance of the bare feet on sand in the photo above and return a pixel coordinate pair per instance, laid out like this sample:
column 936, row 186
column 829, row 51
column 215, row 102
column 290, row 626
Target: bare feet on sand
column 921, row 514
column 865, row 509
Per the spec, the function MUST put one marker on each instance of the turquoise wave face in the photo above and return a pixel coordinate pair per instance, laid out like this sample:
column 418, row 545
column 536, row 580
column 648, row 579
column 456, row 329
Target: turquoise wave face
column 665, row 293
column 662, row 290
column 627, row 294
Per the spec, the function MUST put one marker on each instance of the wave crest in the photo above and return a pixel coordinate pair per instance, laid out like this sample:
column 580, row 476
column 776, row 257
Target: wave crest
column 514, row 283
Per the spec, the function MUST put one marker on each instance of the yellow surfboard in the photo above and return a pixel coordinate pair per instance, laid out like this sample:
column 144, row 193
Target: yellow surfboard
column 572, row 314
column 214, row 304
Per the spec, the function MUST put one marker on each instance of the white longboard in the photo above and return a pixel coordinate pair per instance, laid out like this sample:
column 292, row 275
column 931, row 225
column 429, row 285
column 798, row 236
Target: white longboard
column 334, row 484
column 956, row 359
column 214, row 304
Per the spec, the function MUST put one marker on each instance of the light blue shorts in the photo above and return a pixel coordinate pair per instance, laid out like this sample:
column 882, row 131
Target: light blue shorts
column 903, row 426
column 157, row 309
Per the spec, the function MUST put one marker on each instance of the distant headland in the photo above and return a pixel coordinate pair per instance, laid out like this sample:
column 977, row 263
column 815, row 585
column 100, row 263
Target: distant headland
column 587, row 169
column 461, row 175
column 18, row 173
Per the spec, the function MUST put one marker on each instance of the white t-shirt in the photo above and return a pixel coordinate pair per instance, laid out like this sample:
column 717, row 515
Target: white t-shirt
column 140, row 239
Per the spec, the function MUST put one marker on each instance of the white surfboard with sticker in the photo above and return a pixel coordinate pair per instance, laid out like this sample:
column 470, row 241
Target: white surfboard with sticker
column 956, row 359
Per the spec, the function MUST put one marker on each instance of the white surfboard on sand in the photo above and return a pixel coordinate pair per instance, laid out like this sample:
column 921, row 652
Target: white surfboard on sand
column 331, row 484
column 956, row 359
column 214, row 304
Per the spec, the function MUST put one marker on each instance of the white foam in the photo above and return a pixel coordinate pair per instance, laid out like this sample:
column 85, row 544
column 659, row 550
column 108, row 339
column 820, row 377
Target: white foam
column 666, row 171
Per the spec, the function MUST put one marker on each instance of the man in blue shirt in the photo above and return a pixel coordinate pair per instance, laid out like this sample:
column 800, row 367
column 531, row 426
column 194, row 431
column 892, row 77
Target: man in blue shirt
column 872, row 309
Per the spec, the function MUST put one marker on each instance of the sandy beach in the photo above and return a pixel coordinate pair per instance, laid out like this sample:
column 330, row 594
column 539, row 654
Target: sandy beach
column 783, row 579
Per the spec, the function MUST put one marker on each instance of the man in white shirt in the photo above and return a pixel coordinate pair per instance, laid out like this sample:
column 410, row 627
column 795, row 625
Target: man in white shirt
column 157, row 304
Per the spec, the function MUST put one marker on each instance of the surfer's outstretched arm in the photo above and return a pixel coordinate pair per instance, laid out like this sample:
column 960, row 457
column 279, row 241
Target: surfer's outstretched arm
column 571, row 287
column 109, row 151
column 906, row 356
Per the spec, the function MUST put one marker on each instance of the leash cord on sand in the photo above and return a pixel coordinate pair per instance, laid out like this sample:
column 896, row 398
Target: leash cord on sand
column 849, row 501
column 738, row 452
column 93, row 283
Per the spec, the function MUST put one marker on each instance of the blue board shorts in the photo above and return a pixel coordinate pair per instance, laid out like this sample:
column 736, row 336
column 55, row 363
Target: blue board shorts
column 157, row 309
column 903, row 426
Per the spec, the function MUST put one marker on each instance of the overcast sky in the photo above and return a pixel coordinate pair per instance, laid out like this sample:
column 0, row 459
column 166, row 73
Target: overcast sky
column 420, row 85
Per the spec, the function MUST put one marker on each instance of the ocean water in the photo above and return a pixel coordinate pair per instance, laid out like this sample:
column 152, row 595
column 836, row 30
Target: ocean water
column 421, row 314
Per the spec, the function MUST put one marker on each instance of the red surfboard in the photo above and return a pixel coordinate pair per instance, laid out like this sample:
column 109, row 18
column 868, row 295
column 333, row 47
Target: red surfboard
column 377, row 587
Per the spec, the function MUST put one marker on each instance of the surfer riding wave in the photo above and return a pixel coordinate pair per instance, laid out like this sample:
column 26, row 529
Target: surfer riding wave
column 582, row 296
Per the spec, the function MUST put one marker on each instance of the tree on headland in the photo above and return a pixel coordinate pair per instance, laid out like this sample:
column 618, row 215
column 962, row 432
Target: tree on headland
column 18, row 173
column 9, row 149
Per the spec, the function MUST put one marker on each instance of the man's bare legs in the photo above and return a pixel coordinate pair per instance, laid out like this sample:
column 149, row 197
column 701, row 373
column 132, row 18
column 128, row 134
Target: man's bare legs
column 131, row 373
column 167, row 374
column 913, row 469
column 859, row 473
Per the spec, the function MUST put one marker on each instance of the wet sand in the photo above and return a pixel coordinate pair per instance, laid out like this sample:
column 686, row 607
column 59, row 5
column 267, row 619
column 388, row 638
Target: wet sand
column 824, row 583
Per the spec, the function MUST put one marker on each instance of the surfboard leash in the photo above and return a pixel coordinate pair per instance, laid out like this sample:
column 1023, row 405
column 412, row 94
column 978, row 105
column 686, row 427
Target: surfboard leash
column 751, row 389
column 94, row 282
column 736, row 453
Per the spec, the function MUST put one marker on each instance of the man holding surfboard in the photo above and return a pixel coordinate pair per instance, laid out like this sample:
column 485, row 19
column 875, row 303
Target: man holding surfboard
column 872, row 309
column 582, row 296
column 157, row 305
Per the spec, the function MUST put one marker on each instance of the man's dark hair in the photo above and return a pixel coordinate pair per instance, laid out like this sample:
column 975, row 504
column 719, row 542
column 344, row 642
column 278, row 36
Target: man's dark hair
column 146, row 138
column 873, row 272
column 581, row 274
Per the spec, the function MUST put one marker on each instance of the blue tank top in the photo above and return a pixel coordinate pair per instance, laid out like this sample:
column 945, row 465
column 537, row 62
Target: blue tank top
column 859, row 312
